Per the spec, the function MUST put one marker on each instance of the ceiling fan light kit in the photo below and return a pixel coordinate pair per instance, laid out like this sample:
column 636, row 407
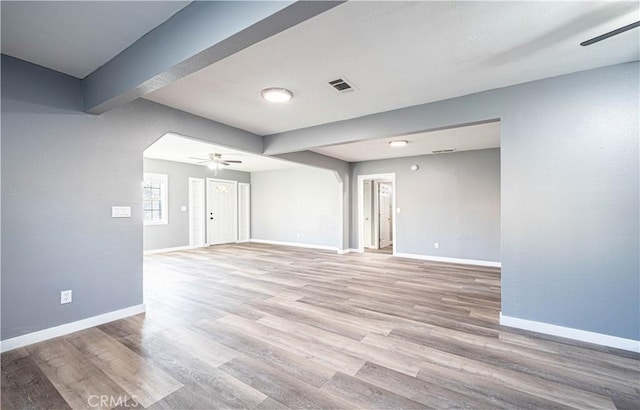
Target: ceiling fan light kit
column 215, row 161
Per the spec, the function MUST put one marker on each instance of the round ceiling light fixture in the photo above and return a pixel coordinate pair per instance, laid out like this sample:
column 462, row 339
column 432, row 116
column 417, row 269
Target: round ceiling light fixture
column 398, row 143
column 276, row 95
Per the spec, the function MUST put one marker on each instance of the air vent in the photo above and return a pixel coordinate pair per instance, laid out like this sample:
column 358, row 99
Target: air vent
column 341, row 85
column 443, row 151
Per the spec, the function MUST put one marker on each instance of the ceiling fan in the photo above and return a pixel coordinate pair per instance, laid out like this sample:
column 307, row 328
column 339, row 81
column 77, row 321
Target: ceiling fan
column 215, row 160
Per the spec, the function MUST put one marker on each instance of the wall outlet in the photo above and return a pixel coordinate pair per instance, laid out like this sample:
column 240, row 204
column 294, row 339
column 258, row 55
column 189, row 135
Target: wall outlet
column 65, row 297
column 436, row 245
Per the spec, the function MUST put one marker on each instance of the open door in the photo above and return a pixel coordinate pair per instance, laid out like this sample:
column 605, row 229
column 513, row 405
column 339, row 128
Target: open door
column 384, row 214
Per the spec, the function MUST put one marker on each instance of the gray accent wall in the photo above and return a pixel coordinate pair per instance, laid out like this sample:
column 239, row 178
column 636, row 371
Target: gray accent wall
column 176, row 232
column 452, row 199
column 297, row 205
column 62, row 170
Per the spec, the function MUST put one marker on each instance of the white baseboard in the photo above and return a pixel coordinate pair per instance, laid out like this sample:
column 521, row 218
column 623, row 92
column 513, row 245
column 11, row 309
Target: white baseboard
column 299, row 245
column 57, row 331
column 449, row 260
column 570, row 333
column 165, row 250
column 345, row 251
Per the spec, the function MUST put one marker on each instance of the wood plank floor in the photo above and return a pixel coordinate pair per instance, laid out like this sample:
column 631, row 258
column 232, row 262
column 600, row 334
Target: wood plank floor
column 256, row 326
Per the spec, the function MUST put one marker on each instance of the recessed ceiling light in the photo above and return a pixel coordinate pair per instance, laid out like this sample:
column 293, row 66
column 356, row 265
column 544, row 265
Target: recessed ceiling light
column 276, row 95
column 398, row 143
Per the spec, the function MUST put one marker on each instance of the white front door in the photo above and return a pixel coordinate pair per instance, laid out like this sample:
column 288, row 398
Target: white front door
column 196, row 212
column 222, row 211
column 384, row 209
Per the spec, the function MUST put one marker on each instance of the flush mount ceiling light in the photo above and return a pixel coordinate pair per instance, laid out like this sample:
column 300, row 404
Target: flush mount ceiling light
column 398, row 143
column 276, row 95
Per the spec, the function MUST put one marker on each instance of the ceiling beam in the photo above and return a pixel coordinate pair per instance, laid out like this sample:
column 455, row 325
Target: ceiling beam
column 197, row 36
column 471, row 109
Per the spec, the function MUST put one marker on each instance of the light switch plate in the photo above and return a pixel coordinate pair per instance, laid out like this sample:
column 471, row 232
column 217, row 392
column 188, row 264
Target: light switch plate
column 121, row 212
column 183, row 208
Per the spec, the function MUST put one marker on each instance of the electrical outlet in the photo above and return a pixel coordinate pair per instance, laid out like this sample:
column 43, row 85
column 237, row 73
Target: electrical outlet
column 436, row 245
column 65, row 297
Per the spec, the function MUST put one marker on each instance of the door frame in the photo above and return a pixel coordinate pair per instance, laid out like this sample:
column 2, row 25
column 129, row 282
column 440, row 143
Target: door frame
column 235, row 208
column 204, row 208
column 248, row 204
column 377, row 184
column 361, row 178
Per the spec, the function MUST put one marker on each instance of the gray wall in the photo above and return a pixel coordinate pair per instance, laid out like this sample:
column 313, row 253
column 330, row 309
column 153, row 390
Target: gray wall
column 62, row 170
column 299, row 205
column 453, row 199
column 176, row 232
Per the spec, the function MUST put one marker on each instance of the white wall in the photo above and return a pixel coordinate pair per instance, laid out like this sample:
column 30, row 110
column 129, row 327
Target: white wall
column 297, row 205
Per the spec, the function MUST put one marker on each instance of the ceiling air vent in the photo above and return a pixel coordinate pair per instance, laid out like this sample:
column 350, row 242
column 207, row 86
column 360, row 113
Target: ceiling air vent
column 341, row 85
column 443, row 151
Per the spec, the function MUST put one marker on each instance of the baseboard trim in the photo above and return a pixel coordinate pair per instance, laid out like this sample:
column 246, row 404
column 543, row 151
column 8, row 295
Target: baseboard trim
column 345, row 251
column 299, row 245
column 67, row 328
column 571, row 333
column 449, row 260
column 165, row 250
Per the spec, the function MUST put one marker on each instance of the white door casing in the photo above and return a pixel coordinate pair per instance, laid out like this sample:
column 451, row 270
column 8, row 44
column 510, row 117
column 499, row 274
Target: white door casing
column 368, row 214
column 222, row 211
column 384, row 214
column 196, row 212
column 244, row 212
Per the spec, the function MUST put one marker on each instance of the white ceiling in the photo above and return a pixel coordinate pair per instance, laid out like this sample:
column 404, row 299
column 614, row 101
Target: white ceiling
column 174, row 147
column 467, row 138
column 77, row 37
column 400, row 54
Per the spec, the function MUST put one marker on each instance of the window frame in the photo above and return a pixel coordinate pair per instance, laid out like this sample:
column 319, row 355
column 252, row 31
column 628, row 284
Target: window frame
column 163, row 180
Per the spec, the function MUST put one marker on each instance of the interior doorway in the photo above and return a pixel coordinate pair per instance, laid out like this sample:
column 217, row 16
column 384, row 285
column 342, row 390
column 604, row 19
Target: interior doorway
column 376, row 221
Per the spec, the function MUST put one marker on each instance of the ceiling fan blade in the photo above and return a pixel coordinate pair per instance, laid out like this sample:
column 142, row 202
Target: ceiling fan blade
column 201, row 159
column 223, row 163
column 233, row 161
column 611, row 34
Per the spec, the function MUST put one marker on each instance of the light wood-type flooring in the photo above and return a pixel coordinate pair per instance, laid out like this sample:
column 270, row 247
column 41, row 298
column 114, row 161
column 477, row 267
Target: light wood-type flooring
column 253, row 326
